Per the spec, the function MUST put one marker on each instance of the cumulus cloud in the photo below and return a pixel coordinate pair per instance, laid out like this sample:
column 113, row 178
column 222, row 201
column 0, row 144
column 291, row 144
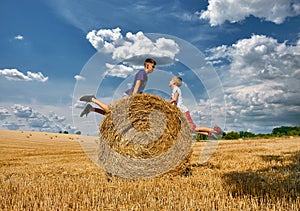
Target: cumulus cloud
column 218, row 11
column 133, row 47
column 79, row 104
column 38, row 120
column 56, row 118
column 260, row 57
column 11, row 125
column 4, row 113
column 105, row 39
column 22, row 111
column 16, row 75
column 25, row 117
column 121, row 70
column 261, row 80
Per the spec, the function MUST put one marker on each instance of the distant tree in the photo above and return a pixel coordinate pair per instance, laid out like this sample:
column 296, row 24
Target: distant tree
column 199, row 137
column 245, row 134
column 60, row 131
column 78, row 133
column 260, row 135
column 286, row 131
column 66, row 132
column 232, row 135
column 293, row 133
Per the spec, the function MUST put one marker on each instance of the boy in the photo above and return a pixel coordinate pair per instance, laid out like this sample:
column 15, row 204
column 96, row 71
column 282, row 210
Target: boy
column 138, row 86
column 177, row 99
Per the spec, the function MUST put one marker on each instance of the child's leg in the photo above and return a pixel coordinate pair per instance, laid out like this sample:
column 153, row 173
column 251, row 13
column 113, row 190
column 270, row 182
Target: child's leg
column 91, row 98
column 99, row 110
column 202, row 133
column 204, row 129
column 88, row 108
column 219, row 131
column 199, row 130
column 101, row 104
column 189, row 118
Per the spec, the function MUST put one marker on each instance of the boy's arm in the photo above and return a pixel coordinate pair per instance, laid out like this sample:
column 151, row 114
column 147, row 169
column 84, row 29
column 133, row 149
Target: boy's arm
column 175, row 98
column 137, row 86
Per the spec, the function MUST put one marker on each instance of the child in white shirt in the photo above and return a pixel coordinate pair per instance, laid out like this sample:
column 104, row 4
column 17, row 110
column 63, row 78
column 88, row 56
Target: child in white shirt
column 177, row 99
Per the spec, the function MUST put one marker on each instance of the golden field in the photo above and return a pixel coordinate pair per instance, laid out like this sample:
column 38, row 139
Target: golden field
column 49, row 171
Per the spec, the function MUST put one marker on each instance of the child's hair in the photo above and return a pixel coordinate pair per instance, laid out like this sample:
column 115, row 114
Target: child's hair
column 150, row 60
column 177, row 81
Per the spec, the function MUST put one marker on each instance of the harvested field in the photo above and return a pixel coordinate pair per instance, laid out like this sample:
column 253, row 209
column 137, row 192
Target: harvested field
column 49, row 171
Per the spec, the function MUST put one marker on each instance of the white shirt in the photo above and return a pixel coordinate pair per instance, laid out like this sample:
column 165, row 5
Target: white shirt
column 179, row 101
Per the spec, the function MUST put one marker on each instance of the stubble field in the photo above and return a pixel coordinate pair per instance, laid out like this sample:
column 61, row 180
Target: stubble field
column 49, row 171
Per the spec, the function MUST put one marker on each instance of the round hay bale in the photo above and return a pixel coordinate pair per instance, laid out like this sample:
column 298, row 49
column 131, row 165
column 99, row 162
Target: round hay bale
column 144, row 136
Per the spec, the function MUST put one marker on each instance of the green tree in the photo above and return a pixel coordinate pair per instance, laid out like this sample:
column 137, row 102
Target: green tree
column 232, row 135
column 286, row 131
column 199, row 137
column 245, row 134
column 293, row 133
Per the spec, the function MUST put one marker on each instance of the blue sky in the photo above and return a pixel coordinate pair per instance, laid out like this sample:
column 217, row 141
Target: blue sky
column 53, row 51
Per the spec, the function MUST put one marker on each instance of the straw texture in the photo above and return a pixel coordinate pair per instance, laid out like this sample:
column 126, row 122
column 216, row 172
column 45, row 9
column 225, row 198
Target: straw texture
column 144, row 136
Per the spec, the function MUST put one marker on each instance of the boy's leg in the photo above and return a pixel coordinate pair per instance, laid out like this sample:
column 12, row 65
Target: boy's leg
column 100, row 111
column 204, row 129
column 219, row 131
column 189, row 118
column 202, row 133
column 92, row 98
column 101, row 104
column 199, row 130
column 87, row 98
column 88, row 108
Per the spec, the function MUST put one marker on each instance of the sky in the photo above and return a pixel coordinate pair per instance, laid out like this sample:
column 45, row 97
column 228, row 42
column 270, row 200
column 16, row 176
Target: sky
column 239, row 60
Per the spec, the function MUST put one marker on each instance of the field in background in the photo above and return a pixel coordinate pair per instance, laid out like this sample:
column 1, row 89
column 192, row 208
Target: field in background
column 49, row 171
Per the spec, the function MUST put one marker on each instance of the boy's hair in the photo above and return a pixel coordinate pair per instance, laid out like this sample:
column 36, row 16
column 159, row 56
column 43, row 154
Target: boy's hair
column 150, row 60
column 177, row 81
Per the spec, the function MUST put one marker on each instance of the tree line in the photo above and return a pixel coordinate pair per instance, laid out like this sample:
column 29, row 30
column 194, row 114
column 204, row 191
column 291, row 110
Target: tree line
column 276, row 132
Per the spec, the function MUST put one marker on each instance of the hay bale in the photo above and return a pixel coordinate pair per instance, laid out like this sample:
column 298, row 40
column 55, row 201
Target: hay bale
column 144, row 136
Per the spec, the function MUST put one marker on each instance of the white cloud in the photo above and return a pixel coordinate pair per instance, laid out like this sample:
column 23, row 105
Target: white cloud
column 79, row 78
column 218, row 11
column 121, row 71
column 37, row 76
column 105, row 39
column 22, row 111
column 261, row 83
column 56, row 118
column 79, row 104
column 260, row 57
column 14, row 74
column 4, row 113
column 38, row 120
column 133, row 46
column 19, row 37
column 27, row 118
column 13, row 125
